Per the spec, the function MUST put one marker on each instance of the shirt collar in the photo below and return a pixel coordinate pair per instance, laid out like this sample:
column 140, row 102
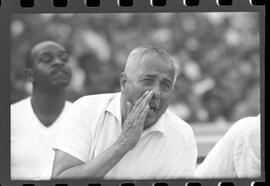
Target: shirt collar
column 158, row 126
column 114, row 107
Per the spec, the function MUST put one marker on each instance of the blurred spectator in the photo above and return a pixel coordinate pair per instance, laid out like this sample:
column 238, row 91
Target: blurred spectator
column 237, row 154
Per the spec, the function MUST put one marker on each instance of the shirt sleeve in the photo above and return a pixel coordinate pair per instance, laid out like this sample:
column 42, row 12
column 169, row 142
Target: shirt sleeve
column 247, row 161
column 74, row 137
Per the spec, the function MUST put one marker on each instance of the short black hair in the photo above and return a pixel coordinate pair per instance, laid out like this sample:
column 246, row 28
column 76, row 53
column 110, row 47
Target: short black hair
column 29, row 61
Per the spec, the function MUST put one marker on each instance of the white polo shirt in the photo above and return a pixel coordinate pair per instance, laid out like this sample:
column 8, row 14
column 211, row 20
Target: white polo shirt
column 31, row 142
column 237, row 154
column 165, row 150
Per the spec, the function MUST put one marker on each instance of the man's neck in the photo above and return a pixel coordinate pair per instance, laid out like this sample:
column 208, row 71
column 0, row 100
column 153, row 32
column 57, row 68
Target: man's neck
column 48, row 105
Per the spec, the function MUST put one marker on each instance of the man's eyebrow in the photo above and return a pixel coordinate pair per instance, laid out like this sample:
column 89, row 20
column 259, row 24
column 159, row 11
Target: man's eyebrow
column 148, row 75
column 49, row 52
column 45, row 53
column 166, row 79
column 63, row 52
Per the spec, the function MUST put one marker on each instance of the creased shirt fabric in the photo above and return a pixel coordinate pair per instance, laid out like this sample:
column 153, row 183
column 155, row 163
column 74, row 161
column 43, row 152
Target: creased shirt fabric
column 31, row 142
column 165, row 150
column 237, row 154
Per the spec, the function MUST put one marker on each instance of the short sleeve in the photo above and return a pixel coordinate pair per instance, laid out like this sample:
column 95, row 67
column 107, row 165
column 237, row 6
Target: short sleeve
column 74, row 137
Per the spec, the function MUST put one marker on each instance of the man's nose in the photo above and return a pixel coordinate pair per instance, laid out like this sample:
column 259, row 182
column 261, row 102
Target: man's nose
column 156, row 91
column 58, row 62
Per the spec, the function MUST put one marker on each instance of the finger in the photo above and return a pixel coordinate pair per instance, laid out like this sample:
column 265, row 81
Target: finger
column 145, row 101
column 129, row 107
column 140, row 104
column 142, row 97
column 149, row 97
column 137, row 103
column 144, row 113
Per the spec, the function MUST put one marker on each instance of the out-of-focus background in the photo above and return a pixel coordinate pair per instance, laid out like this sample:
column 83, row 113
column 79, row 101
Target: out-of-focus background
column 218, row 54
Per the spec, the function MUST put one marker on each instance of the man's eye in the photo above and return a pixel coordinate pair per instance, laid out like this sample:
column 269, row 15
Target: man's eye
column 147, row 82
column 64, row 58
column 166, row 86
column 46, row 59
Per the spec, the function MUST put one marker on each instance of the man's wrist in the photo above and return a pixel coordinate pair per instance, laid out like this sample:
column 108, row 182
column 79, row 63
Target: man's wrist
column 121, row 148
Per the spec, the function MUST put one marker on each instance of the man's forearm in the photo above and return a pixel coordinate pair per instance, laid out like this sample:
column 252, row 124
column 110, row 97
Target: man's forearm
column 98, row 167
column 131, row 132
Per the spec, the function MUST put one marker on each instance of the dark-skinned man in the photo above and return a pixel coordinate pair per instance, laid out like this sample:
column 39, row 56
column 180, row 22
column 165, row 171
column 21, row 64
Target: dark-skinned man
column 131, row 134
column 36, row 120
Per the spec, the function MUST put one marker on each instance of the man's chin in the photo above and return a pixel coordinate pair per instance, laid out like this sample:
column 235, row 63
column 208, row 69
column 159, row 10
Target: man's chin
column 149, row 121
column 59, row 85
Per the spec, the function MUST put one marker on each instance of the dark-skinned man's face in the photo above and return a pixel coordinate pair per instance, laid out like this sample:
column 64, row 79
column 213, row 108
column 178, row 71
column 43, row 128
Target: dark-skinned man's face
column 153, row 73
column 50, row 66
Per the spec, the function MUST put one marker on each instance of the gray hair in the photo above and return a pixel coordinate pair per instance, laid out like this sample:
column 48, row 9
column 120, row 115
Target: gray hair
column 138, row 53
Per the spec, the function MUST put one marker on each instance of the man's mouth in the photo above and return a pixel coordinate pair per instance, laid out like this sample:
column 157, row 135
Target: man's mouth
column 59, row 71
column 153, row 108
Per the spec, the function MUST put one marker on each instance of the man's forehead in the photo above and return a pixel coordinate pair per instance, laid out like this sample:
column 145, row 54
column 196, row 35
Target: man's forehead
column 47, row 47
column 152, row 64
column 153, row 59
column 167, row 76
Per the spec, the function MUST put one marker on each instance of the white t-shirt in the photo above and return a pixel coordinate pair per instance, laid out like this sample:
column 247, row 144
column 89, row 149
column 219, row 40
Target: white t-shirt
column 165, row 150
column 237, row 154
column 31, row 142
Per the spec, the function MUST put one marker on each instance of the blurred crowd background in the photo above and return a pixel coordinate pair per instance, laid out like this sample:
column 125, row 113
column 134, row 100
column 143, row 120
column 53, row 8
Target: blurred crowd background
column 218, row 54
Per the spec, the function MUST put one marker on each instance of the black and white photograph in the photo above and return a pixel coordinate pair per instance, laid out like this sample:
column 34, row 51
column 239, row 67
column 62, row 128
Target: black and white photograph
column 135, row 96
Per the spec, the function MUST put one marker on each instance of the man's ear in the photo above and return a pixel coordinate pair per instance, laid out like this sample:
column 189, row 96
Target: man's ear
column 29, row 74
column 123, row 81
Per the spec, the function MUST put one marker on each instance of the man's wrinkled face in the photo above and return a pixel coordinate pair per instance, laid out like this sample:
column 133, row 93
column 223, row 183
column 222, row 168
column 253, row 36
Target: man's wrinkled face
column 50, row 68
column 156, row 74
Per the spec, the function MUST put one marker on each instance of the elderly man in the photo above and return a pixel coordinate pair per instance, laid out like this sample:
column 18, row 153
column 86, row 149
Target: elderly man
column 128, row 135
column 36, row 119
column 237, row 154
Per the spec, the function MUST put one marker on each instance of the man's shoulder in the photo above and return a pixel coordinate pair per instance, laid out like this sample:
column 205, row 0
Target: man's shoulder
column 67, row 104
column 178, row 126
column 241, row 131
column 247, row 128
column 20, row 104
column 94, row 101
column 19, row 113
column 245, row 125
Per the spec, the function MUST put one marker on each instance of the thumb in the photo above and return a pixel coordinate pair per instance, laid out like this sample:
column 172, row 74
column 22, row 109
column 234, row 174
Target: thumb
column 129, row 107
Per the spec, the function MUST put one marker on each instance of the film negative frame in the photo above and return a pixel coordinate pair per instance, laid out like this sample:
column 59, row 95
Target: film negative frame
column 8, row 7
